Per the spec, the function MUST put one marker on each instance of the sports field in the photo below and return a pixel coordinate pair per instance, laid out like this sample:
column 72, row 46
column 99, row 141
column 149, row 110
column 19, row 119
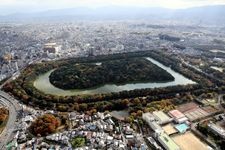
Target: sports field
column 184, row 141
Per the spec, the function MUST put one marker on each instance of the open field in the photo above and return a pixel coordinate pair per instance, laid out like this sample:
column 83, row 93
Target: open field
column 189, row 139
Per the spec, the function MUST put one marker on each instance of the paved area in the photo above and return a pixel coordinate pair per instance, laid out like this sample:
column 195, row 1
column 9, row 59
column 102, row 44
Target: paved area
column 13, row 107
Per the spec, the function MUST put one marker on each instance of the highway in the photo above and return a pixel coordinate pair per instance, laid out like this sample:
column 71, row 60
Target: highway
column 13, row 107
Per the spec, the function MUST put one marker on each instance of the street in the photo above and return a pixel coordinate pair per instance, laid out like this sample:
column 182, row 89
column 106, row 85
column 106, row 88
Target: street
column 13, row 107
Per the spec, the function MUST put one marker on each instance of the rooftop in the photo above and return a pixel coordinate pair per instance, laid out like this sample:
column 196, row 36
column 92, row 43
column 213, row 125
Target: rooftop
column 168, row 142
column 155, row 126
column 176, row 114
column 182, row 127
column 161, row 117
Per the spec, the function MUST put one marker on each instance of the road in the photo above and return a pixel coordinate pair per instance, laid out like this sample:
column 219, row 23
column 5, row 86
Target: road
column 220, row 98
column 13, row 107
column 220, row 101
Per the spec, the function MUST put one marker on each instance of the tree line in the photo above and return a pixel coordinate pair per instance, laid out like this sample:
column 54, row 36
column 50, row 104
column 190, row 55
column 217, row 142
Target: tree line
column 23, row 88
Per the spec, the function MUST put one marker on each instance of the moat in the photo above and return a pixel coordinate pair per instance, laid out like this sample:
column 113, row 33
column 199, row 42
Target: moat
column 43, row 84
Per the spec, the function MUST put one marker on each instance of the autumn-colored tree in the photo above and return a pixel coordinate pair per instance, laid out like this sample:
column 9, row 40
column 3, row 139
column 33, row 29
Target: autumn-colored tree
column 25, row 97
column 45, row 125
column 125, row 102
column 139, row 113
column 93, row 111
column 3, row 114
column 136, row 102
column 133, row 114
column 8, row 87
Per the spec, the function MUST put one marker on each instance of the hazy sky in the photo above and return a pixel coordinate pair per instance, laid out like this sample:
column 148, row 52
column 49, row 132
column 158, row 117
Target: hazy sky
column 37, row 5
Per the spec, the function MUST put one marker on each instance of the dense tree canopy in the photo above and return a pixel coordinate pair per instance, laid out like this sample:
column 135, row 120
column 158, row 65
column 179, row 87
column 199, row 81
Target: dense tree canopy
column 45, row 125
column 87, row 75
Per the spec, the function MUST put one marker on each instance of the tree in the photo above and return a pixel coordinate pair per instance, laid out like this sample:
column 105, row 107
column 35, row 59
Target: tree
column 139, row 113
column 83, row 107
column 136, row 101
column 78, row 142
column 45, row 125
column 125, row 102
column 3, row 114
column 8, row 87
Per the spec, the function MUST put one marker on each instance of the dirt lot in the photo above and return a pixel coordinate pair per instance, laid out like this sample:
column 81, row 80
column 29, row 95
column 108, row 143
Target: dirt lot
column 189, row 141
column 169, row 129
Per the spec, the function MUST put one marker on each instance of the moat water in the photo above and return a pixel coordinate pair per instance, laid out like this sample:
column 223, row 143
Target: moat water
column 43, row 84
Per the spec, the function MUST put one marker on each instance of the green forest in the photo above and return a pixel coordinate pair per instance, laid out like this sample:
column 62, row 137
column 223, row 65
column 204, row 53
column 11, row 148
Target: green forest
column 88, row 75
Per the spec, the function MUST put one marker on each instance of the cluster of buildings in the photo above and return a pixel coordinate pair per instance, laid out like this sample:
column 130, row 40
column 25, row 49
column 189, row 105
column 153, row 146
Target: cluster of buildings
column 21, row 45
column 157, row 119
column 171, row 131
column 179, row 128
column 22, row 136
column 26, row 43
column 101, row 131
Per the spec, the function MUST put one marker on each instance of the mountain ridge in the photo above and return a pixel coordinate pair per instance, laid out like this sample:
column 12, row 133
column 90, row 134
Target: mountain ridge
column 203, row 15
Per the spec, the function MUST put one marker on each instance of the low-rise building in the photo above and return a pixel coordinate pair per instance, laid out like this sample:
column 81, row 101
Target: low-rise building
column 178, row 116
column 161, row 117
column 148, row 117
column 167, row 142
column 217, row 130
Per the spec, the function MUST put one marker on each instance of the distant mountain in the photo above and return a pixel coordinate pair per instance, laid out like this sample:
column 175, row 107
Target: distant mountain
column 213, row 15
column 202, row 15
